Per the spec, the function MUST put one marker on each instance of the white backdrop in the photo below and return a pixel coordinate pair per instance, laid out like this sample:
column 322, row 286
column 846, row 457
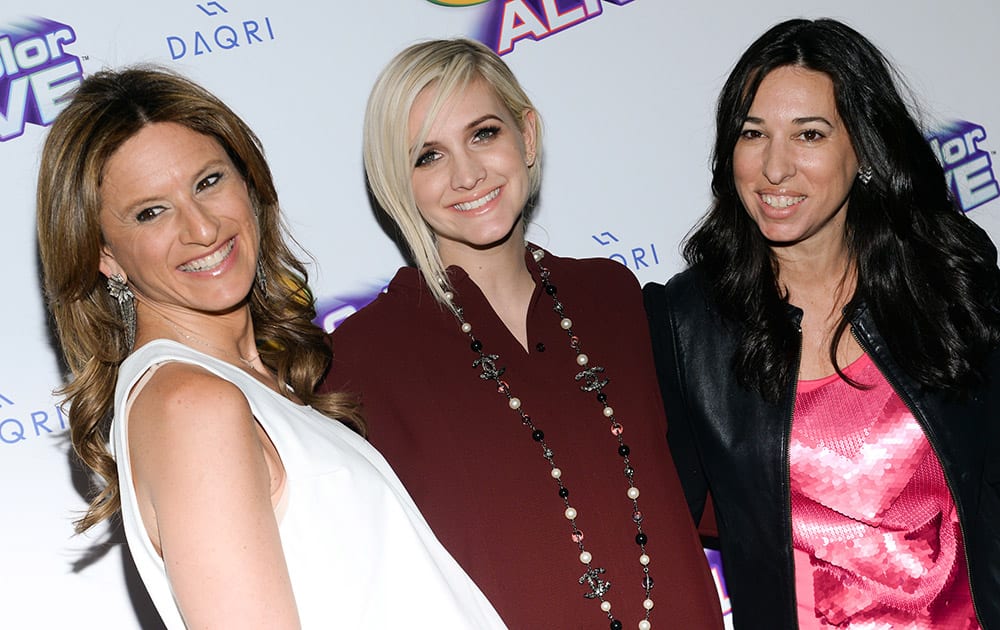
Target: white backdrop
column 626, row 89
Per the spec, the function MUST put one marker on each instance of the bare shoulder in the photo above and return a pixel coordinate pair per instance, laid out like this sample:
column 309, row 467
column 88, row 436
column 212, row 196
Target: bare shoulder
column 198, row 458
column 185, row 416
column 178, row 395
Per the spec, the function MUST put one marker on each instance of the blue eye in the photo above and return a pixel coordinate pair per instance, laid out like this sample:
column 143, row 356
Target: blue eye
column 427, row 158
column 486, row 133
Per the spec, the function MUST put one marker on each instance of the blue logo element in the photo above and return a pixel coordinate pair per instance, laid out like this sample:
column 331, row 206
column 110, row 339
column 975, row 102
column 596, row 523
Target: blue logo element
column 227, row 36
column 36, row 423
column 640, row 257
column 968, row 167
column 36, row 74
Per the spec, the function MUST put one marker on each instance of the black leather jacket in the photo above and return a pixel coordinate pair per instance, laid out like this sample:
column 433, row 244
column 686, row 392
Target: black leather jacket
column 727, row 438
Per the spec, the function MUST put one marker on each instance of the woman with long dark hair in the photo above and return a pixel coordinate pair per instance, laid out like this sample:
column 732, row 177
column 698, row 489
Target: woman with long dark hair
column 829, row 359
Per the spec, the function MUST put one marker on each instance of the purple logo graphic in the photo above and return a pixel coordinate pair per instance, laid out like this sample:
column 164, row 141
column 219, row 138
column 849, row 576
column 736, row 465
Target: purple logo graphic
column 715, row 564
column 36, row 74
column 968, row 167
column 331, row 312
column 509, row 21
column 227, row 36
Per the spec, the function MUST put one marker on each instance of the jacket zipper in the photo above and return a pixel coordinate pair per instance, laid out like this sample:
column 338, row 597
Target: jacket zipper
column 787, row 463
column 924, row 424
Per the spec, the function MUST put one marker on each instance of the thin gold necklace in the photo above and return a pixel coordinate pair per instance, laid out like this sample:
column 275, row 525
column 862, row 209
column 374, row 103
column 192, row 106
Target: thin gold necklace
column 193, row 338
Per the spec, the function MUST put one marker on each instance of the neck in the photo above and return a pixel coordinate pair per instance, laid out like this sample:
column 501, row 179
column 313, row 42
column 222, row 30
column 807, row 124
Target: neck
column 499, row 270
column 816, row 268
column 503, row 277
column 821, row 283
column 228, row 336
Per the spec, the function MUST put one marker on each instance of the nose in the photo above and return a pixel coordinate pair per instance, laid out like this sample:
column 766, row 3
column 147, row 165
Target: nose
column 779, row 162
column 200, row 225
column 467, row 170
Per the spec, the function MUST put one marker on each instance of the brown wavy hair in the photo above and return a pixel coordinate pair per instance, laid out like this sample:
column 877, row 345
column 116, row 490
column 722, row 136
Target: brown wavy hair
column 106, row 110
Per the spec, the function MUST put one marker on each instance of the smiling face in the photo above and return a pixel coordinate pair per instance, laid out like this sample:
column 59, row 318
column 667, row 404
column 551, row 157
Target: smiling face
column 794, row 164
column 177, row 221
column 470, row 180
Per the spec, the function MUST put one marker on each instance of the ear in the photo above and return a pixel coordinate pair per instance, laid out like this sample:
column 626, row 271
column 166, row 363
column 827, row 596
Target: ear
column 108, row 265
column 529, row 131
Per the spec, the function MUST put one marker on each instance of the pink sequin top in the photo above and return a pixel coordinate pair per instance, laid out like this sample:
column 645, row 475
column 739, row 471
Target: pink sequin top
column 875, row 529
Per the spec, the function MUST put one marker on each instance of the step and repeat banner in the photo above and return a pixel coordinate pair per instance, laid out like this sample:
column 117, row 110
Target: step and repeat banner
column 626, row 89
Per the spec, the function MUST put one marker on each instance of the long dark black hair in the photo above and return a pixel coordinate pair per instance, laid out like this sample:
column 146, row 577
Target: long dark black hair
column 926, row 272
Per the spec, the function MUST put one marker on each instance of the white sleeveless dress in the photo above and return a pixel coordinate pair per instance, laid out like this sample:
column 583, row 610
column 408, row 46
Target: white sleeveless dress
column 359, row 553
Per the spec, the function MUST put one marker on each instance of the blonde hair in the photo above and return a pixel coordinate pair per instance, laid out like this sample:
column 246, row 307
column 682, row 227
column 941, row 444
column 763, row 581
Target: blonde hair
column 107, row 109
column 449, row 65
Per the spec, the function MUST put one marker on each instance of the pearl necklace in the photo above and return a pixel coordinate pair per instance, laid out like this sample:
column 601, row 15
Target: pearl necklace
column 593, row 381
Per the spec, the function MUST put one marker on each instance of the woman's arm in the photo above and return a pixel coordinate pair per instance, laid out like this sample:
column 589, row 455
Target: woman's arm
column 204, row 474
column 679, row 432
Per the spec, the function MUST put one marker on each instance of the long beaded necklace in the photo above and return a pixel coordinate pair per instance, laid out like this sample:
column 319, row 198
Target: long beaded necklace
column 593, row 381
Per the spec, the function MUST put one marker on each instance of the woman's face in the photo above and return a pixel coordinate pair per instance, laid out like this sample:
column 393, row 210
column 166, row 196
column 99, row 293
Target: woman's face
column 471, row 179
column 794, row 164
column 177, row 221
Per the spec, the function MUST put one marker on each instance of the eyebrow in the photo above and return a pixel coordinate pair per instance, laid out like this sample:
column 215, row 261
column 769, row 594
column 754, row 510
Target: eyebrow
column 472, row 125
column 207, row 169
column 482, row 119
column 804, row 120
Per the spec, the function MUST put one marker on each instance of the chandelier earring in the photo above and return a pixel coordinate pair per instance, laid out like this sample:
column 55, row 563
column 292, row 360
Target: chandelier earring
column 261, row 278
column 865, row 174
column 261, row 275
column 123, row 295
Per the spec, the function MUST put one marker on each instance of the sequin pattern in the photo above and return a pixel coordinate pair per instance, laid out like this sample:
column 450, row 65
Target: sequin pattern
column 872, row 509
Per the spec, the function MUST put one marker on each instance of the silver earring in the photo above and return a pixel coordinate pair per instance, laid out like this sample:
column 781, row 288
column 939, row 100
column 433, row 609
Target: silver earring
column 126, row 305
column 261, row 278
column 865, row 174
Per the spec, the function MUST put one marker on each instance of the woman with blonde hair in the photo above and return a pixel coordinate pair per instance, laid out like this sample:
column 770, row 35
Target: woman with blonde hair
column 488, row 372
column 186, row 321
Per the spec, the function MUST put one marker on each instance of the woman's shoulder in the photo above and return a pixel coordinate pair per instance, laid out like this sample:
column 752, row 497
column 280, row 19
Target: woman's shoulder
column 390, row 308
column 160, row 351
column 181, row 416
column 683, row 287
column 166, row 380
column 591, row 263
column 183, row 392
column 404, row 320
column 601, row 273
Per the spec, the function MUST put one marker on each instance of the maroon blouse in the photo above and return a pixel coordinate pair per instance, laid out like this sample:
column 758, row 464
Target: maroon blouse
column 480, row 479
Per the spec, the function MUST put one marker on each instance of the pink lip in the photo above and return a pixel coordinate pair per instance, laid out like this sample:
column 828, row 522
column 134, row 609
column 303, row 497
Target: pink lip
column 776, row 212
column 486, row 207
column 219, row 268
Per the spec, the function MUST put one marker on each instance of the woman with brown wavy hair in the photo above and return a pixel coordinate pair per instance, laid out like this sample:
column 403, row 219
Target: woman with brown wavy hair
column 185, row 319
